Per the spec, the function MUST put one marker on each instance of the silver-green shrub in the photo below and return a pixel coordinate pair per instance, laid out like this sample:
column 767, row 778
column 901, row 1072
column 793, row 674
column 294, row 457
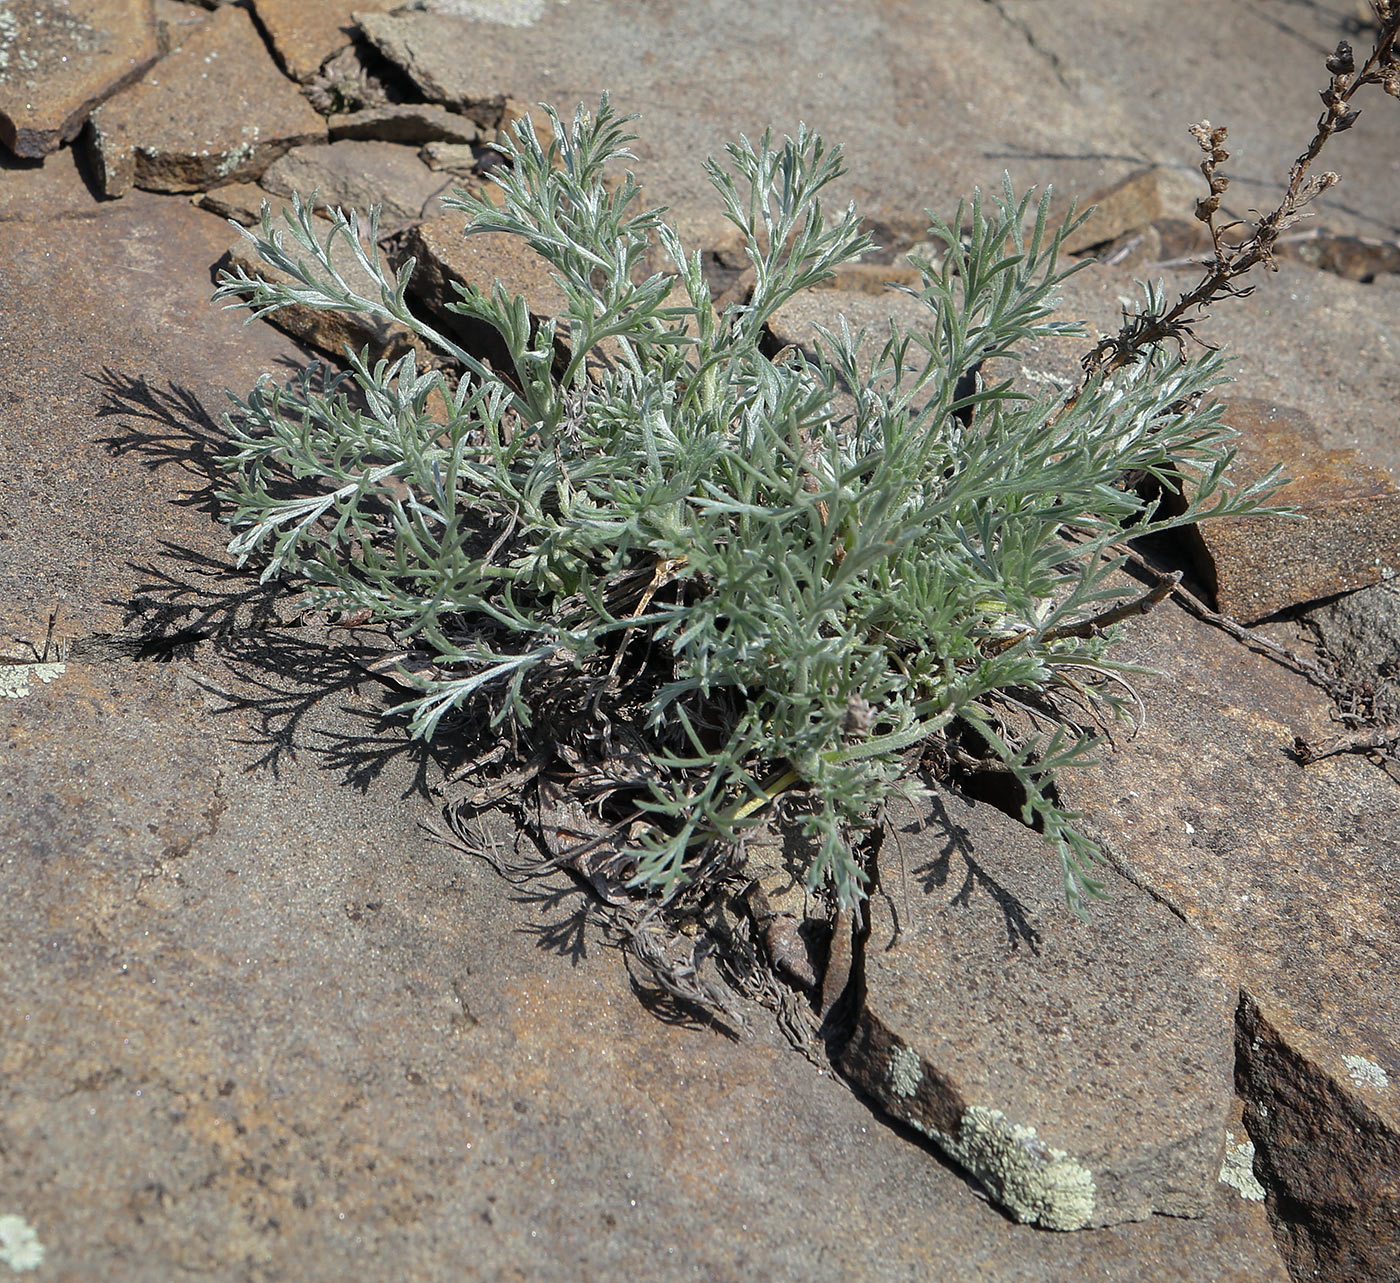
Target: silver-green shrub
column 823, row 562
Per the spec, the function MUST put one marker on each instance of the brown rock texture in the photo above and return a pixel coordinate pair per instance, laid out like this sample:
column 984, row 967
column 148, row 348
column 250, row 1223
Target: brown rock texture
column 109, row 415
column 329, row 330
column 1081, row 1074
column 1290, row 873
column 60, row 58
column 1350, row 535
column 305, row 34
column 355, row 175
column 215, row 111
column 446, row 254
column 405, row 123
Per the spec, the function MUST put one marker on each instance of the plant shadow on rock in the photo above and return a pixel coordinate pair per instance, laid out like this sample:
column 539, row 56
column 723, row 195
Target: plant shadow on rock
column 286, row 661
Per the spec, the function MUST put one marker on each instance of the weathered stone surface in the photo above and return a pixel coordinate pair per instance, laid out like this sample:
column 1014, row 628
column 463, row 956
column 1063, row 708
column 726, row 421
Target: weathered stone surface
column 215, row 111
column 1081, row 1074
column 1325, row 344
column 1292, row 872
column 1160, row 68
column 1360, row 632
column 1357, row 258
column 356, row 175
column 250, row 1001
column 330, row 331
column 55, row 189
column 116, row 367
column 241, row 202
column 879, row 80
column 1130, row 203
column 175, row 20
column 446, row 254
column 304, row 35
column 872, row 310
column 412, row 122
column 59, row 60
column 455, row 158
column 1351, row 539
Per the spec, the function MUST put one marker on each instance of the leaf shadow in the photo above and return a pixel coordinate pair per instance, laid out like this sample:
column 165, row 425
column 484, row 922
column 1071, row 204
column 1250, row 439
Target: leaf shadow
column 934, row 875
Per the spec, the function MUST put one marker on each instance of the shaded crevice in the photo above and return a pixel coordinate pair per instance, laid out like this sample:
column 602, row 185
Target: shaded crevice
column 1329, row 1164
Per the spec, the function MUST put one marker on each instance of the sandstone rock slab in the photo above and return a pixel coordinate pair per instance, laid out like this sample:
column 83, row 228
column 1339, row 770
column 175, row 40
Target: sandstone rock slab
column 1081, row 1074
column 305, row 35
column 217, row 110
column 1291, row 872
column 1350, row 535
column 356, row 175
column 269, row 1028
column 1161, row 68
column 446, row 254
column 59, row 60
column 57, row 188
column 878, row 80
column 405, row 123
column 330, row 331
column 109, row 417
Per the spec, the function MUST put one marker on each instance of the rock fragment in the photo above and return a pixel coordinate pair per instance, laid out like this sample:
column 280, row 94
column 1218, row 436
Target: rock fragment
column 1081, row 1073
column 356, row 175
column 1289, row 872
column 428, row 49
column 305, row 35
column 446, row 254
column 413, row 122
column 330, row 331
column 1350, row 537
column 215, row 111
column 1126, row 205
column 59, row 60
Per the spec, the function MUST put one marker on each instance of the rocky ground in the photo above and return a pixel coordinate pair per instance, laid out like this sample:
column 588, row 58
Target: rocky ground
column 259, row 1024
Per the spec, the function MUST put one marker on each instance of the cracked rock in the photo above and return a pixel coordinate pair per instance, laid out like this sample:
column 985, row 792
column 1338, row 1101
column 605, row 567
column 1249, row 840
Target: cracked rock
column 1350, row 536
column 329, row 330
column 59, row 60
column 305, row 35
column 215, row 111
column 1079, row 1072
column 415, row 122
column 1289, row 873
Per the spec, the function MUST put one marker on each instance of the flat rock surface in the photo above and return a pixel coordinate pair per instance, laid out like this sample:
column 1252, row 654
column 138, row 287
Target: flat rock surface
column 217, row 110
column 270, row 1030
column 405, row 123
column 109, row 415
column 883, row 80
column 1291, row 873
column 59, row 60
column 446, row 254
column 1083, row 1073
column 1173, row 65
column 355, row 175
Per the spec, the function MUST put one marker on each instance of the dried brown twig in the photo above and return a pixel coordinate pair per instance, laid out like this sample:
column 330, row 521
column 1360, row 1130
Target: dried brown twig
column 1229, row 262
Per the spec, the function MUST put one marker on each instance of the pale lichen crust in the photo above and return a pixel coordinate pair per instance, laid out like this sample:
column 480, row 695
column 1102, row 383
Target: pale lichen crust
column 1237, row 1171
column 15, row 678
column 20, row 1248
column 1037, row 1183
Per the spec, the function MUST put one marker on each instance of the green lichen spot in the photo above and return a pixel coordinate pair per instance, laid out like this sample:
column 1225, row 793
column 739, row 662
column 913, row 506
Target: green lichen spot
column 15, row 678
column 1237, row 1171
column 1035, row 1182
column 20, row 1248
column 906, row 1072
